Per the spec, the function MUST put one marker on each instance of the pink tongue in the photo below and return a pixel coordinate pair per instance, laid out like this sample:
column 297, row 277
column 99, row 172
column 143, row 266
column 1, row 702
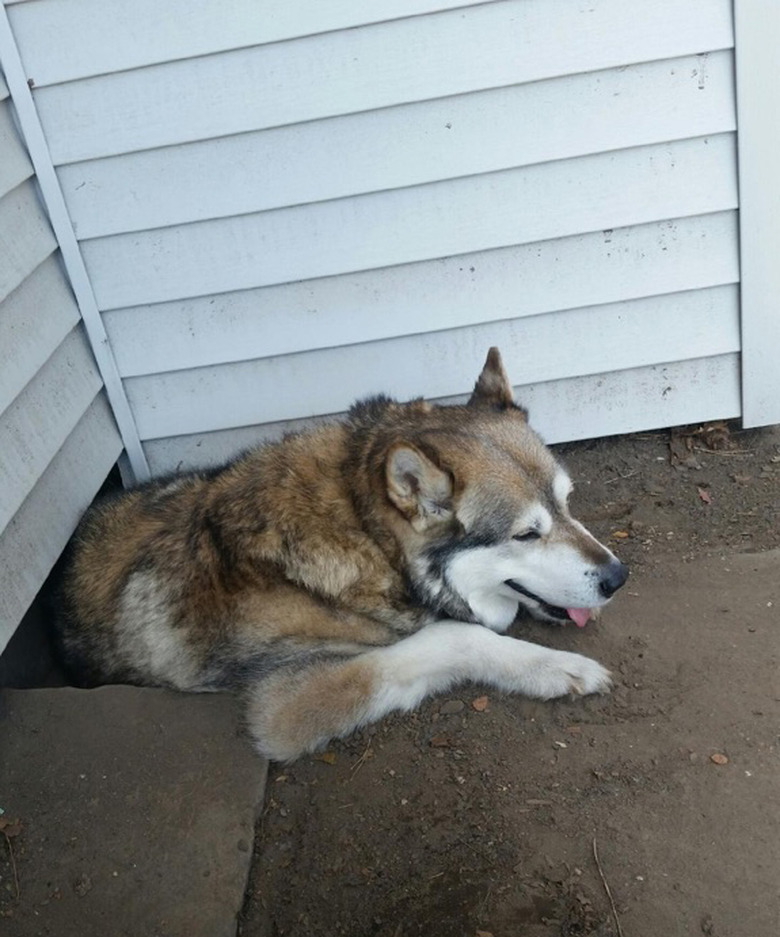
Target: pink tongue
column 580, row 616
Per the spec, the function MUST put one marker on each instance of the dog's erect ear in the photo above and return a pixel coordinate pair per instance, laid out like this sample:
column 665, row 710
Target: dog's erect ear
column 420, row 490
column 493, row 388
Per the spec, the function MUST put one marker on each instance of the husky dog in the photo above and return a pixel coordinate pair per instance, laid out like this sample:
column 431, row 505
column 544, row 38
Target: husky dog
column 346, row 572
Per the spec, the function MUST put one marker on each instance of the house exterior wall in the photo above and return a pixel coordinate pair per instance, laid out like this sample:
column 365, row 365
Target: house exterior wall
column 300, row 203
column 58, row 440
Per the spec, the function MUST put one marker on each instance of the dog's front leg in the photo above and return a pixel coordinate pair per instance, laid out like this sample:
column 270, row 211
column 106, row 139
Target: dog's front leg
column 292, row 714
column 447, row 653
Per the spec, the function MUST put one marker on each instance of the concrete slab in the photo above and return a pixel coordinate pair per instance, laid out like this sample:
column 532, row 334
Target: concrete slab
column 137, row 808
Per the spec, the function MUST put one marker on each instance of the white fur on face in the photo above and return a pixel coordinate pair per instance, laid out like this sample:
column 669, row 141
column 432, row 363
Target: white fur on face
column 562, row 487
column 537, row 518
column 556, row 572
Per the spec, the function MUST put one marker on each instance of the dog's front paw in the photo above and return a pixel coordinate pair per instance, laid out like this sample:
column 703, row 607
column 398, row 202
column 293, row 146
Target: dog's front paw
column 559, row 673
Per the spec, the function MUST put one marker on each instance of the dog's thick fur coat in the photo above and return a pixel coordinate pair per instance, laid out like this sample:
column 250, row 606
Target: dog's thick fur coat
column 343, row 573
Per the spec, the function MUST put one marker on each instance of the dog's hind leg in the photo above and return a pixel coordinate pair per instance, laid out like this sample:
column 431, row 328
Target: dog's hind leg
column 294, row 712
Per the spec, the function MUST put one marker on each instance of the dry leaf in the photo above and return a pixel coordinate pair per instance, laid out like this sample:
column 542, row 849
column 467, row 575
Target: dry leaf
column 719, row 759
column 620, row 534
column 716, row 435
column 705, row 496
column 681, row 447
column 11, row 828
column 328, row 757
column 441, row 741
column 480, row 704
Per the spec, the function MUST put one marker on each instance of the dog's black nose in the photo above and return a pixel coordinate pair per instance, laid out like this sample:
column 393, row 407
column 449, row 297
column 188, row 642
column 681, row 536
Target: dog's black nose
column 613, row 577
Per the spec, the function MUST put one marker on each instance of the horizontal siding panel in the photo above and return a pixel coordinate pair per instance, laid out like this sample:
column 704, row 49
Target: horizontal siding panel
column 26, row 238
column 421, row 58
column 551, row 200
column 39, row 421
column 34, row 539
column 576, row 408
column 204, row 450
column 638, row 333
column 34, row 319
column 583, row 270
column 404, row 146
column 645, row 398
column 15, row 165
column 65, row 41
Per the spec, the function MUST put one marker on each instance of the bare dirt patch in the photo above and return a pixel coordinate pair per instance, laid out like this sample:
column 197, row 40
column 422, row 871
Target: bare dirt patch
column 478, row 817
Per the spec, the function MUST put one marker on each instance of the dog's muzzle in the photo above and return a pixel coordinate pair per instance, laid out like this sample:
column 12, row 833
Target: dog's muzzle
column 612, row 577
column 554, row 611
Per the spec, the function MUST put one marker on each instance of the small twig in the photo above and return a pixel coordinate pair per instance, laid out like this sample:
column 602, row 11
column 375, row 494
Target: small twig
column 13, row 864
column 484, row 903
column 607, row 889
column 618, row 477
column 362, row 760
column 724, row 451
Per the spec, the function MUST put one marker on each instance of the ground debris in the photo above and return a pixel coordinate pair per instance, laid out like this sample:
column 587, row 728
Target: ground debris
column 10, row 828
column 82, row 885
column 465, row 852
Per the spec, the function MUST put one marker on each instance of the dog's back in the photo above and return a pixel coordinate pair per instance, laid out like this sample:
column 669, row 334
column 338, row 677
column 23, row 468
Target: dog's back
column 180, row 582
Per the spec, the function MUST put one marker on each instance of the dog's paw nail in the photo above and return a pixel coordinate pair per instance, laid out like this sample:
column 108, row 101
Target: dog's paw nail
column 587, row 676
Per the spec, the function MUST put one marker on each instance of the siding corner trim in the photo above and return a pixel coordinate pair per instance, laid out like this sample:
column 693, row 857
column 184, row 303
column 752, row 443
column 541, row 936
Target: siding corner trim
column 59, row 218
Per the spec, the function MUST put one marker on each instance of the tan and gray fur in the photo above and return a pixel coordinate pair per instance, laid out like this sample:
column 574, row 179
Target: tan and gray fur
column 342, row 573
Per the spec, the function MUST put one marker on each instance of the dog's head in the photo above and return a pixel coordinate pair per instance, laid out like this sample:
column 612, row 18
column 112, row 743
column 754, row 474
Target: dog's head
column 484, row 521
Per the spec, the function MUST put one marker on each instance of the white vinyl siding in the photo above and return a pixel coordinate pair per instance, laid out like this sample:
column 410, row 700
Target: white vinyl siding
column 57, row 437
column 684, row 325
column 540, row 203
column 402, row 146
column 633, row 262
column 281, row 212
column 615, row 402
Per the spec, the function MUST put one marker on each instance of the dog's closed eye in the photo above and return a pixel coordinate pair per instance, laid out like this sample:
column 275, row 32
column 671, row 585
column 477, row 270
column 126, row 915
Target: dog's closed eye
column 527, row 536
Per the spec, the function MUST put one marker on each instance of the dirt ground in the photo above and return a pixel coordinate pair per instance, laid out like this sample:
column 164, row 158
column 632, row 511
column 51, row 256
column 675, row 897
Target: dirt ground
column 651, row 812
